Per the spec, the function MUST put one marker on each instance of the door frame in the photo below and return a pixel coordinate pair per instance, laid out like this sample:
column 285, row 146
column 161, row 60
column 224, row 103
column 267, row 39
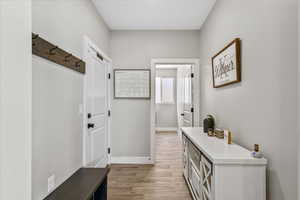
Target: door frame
column 196, row 94
column 88, row 43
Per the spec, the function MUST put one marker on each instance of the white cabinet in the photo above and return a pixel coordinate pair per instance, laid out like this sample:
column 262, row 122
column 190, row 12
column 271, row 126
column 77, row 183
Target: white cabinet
column 215, row 170
column 185, row 156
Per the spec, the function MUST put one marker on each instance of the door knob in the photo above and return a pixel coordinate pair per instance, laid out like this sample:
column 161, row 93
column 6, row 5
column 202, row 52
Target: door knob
column 90, row 125
column 182, row 114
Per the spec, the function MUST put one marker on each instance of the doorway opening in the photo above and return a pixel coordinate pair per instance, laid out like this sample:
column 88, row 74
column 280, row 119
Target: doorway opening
column 175, row 96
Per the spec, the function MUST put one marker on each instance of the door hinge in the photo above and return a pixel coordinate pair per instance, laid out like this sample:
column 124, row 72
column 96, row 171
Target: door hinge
column 108, row 76
column 192, row 75
column 109, row 113
column 108, row 150
column 192, row 110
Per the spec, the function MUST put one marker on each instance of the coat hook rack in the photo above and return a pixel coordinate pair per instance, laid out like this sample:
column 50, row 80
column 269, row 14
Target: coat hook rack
column 33, row 38
column 68, row 56
column 100, row 56
column 77, row 64
column 51, row 51
column 47, row 50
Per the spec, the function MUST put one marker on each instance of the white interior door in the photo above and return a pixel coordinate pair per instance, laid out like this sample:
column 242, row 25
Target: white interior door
column 185, row 110
column 97, row 108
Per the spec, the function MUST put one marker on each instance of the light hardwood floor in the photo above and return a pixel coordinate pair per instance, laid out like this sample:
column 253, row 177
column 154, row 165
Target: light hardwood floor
column 163, row 181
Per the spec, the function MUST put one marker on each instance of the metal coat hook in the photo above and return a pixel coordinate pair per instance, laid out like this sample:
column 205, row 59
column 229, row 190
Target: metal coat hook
column 77, row 64
column 99, row 56
column 53, row 49
column 34, row 37
column 67, row 56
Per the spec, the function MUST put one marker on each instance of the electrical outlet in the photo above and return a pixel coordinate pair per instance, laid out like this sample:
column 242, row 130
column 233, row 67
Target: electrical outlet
column 51, row 183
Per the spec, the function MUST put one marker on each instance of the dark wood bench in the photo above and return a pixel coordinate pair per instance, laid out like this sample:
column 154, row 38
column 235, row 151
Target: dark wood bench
column 85, row 184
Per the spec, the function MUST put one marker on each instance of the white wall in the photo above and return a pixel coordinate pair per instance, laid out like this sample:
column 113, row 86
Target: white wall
column 262, row 108
column 15, row 99
column 298, row 85
column 166, row 114
column 57, row 91
column 134, row 49
column 64, row 22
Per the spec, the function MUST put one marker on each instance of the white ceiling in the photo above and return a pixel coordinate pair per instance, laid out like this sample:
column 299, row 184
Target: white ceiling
column 154, row 14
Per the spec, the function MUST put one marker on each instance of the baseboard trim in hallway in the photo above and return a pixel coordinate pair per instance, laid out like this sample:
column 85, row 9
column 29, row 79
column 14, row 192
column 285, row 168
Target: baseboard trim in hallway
column 131, row 160
column 166, row 129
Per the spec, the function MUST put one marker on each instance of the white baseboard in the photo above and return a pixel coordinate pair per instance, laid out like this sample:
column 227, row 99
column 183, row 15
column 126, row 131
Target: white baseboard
column 166, row 128
column 131, row 160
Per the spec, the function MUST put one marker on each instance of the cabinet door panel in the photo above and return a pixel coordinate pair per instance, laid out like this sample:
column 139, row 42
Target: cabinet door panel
column 195, row 181
column 206, row 178
column 195, row 155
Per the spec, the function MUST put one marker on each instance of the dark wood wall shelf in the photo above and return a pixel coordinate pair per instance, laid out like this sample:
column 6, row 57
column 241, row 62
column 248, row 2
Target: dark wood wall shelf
column 49, row 51
column 85, row 184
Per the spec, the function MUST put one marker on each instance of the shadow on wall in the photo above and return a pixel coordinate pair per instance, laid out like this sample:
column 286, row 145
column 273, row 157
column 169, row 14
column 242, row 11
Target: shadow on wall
column 236, row 85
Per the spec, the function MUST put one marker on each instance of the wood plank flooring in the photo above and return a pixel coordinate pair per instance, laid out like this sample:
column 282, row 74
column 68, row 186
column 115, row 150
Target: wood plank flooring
column 147, row 182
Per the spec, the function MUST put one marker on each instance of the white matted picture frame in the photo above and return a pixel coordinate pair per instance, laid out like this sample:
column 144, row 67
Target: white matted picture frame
column 226, row 65
column 132, row 84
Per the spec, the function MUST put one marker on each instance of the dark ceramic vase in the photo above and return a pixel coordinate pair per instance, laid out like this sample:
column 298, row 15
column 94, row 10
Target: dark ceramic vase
column 208, row 123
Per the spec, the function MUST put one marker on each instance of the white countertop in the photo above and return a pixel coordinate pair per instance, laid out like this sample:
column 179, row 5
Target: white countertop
column 218, row 151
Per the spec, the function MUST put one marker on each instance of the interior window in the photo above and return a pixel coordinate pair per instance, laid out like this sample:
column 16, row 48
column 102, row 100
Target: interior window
column 158, row 90
column 165, row 90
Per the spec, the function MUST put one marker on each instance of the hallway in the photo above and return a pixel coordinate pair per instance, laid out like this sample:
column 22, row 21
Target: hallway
column 145, row 182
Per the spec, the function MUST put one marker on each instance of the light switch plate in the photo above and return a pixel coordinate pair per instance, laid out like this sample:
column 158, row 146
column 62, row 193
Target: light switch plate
column 51, row 183
column 80, row 109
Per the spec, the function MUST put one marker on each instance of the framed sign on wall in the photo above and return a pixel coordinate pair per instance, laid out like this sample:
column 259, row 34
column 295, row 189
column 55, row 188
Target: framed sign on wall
column 226, row 65
column 132, row 83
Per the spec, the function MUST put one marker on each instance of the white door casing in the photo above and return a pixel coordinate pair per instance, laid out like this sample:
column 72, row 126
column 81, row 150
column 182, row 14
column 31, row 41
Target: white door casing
column 185, row 105
column 180, row 100
column 96, row 127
